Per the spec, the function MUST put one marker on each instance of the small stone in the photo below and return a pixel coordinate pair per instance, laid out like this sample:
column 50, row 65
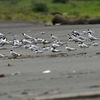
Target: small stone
column 9, row 64
column 24, row 93
column 2, row 75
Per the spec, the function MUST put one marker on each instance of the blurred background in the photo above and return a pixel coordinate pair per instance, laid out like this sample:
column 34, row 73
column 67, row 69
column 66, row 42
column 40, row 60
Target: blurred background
column 44, row 10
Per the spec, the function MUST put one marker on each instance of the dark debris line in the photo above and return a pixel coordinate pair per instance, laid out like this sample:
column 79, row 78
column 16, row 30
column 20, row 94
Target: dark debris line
column 74, row 96
column 38, row 56
column 48, row 56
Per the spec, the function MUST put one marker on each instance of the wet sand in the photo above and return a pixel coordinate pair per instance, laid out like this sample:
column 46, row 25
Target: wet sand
column 71, row 72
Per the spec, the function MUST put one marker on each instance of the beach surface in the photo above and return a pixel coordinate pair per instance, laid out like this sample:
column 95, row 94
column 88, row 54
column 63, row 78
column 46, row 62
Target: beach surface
column 39, row 76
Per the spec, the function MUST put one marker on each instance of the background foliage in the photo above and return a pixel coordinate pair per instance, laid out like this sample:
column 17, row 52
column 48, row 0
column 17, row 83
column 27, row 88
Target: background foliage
column 44, row 10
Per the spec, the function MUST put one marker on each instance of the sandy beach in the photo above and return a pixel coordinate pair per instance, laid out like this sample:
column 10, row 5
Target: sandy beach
column 68, row 72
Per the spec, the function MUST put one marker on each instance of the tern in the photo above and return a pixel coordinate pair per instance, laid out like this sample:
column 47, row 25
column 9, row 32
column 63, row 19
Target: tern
column 55, row 45
column 90, row 31
column 45, row 42
column 26, row 36
column 95, row 44
column 38, row 51
column 33, row 47
column 17, row 43
column 54, row 50
column 75, row 33
column 2, row 56
column 59, row 42
column 34, row 41
column 3, row 41
column 14, row 54
column 76, row 39
column 70, row 48
column 46, row 48
column 42, row 32
column 26, row 46
column 83, row 45
column 24, row 41
column 91, row 37
column 53, row 37
column 15, row 46
column 39, row 39
column 80, row 37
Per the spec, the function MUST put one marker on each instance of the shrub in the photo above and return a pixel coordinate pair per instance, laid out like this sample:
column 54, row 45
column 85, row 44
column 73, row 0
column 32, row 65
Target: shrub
column 10, row 1
column 40, row 7
column 60, row 1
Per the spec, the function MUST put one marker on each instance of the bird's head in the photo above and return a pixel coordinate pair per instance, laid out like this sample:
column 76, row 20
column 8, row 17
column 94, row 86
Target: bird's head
column 22, row 33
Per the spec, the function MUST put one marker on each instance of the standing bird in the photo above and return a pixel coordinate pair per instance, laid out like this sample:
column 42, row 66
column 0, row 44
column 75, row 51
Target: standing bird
column 59, row 42
column 83, row 45
column 3, row 41
column 34, row 41
column 55, row 45
column 26, row 46
column 53, row 37
column 16, row 44
column 53, row 49
column 91, row 37
column 75, row 38
column 14, row 54
column 42, row 32
column 95, row 44
column 75, row 33
column 2, row 56
column 26, row 36
column 46, row 48
column 24, row 41
column 90, row 31
column 38, row 51
column 70, row 48
column 33, row 47
column 45, row 42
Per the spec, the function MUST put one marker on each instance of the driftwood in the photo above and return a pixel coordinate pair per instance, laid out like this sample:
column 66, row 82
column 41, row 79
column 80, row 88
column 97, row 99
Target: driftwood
column 78, row 21
column 59, row 19
column 64, row 21
column 94, row 21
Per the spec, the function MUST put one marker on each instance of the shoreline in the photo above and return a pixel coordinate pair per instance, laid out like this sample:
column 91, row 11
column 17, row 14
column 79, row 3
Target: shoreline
column 68, row 72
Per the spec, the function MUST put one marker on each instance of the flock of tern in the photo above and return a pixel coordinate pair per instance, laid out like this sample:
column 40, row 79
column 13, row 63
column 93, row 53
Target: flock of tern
column 31, row 43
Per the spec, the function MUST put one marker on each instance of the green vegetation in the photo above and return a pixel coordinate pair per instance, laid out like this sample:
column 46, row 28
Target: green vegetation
column 60, row 1
column 44, row 10
column 40, row 7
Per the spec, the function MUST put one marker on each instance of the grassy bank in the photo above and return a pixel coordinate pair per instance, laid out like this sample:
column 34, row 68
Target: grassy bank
column 29, row 9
